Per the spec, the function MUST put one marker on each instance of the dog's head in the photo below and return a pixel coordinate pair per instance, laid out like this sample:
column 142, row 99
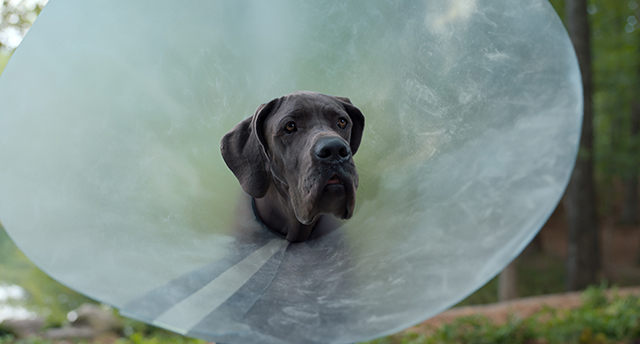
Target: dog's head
column 303, row 144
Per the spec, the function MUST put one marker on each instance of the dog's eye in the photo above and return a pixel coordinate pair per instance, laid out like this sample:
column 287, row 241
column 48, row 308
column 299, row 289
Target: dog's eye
column 290, row 127
column 342, row 122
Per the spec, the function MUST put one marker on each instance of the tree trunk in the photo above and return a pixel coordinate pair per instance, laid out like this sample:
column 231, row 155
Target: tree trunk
column 508, row 283
column 580, row 201
column 630, row 206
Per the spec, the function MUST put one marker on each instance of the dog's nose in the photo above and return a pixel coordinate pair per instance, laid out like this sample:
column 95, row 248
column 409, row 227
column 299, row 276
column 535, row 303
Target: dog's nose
column 332, row 148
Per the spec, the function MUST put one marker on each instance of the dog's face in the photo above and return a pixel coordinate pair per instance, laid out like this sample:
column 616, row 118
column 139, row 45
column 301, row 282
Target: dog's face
column 303, row 144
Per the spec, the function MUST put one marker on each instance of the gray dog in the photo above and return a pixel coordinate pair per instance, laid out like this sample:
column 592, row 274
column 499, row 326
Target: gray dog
column 294, row 158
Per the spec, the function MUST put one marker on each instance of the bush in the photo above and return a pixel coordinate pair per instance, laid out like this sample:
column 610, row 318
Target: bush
column 6, row 335
column 600, row 320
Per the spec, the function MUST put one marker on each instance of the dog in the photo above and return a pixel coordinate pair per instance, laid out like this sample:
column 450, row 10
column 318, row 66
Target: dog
column 294, row 157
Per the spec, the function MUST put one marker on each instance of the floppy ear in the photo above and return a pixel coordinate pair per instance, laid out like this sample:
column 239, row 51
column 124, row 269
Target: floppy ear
column 244, row 152
column 358, row 123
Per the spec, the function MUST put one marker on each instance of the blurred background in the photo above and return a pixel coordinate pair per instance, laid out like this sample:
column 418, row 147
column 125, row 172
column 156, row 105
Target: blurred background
column 592, row 238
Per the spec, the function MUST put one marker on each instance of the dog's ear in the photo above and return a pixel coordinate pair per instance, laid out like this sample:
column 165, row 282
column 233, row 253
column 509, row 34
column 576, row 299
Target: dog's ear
column 243, row 150
column 358, row 123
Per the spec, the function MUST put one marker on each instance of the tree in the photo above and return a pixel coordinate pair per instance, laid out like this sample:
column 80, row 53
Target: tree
column 580, row 198
column 630, row 213
column 630, row 205
column 508, row 282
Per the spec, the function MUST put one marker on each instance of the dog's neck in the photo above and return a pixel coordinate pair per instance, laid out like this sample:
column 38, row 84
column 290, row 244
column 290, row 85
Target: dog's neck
column 276, row 213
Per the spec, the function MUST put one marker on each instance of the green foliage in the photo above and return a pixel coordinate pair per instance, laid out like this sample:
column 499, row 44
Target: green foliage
column 479, row 330
column 35, row 340
column 599, row 320
column 616, row 75
column 6, row 333
column 136, row 338
column 139, row 338
column 615, row 46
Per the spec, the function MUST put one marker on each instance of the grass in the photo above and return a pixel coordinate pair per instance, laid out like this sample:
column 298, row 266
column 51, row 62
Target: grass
column 598, row 321
column 136, row 338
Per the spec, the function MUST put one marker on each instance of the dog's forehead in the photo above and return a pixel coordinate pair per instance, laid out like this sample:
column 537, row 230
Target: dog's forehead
column 309, row 104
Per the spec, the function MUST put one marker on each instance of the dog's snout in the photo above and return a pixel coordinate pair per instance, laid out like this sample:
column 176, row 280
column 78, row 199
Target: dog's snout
column 332, row 148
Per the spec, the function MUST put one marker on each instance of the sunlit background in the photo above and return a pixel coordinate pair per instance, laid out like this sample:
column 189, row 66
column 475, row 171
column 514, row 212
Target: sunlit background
column 16, row 17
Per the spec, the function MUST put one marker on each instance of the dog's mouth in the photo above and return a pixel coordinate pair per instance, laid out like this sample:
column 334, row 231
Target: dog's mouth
column 334, row 194
column 337, row 196
column 334, row 180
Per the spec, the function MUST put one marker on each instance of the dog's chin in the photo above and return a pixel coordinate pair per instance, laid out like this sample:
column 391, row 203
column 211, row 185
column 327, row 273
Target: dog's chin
column 335, row 197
